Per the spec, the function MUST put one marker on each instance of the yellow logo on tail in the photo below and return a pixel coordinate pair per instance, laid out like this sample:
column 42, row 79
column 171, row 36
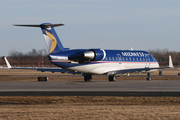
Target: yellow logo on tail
column 54, row 42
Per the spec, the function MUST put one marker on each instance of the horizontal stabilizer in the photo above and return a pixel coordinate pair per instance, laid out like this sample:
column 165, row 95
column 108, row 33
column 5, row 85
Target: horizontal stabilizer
column 42, row 25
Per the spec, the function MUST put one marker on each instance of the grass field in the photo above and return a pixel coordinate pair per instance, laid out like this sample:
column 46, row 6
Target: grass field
column 9, row 75
column 85, row 107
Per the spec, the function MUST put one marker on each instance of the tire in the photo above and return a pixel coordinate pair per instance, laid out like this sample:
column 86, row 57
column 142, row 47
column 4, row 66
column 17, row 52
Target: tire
column 87, row 78
column 112, row 78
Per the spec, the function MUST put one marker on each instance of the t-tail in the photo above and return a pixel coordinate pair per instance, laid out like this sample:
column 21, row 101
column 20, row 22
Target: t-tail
column 52, row 40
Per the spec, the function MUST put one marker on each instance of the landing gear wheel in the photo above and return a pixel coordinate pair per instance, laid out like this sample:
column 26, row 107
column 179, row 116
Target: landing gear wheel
column 87, row 78
column 148, row 77
column 112, row 78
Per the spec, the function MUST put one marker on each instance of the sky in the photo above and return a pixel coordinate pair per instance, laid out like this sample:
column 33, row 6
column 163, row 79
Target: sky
column 106, row 24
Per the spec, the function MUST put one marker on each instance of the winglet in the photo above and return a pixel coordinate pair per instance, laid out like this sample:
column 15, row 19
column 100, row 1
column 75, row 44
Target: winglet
column 7, row 62
column 170, row 62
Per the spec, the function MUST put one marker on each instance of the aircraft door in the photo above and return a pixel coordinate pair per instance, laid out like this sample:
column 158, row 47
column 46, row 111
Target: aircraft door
column 147, row 61
column 119, row 57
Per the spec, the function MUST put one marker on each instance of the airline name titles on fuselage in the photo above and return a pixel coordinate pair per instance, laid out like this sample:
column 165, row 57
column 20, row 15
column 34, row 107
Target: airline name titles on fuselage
column 139, row 54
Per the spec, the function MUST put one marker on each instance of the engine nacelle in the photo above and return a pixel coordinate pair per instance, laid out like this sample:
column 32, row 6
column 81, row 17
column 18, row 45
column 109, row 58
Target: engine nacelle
column 95, row 54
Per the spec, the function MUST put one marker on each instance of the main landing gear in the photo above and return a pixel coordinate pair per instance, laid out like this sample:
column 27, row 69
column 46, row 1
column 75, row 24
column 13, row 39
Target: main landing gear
column 112, row 78
column 148, row 77
column 87, row 77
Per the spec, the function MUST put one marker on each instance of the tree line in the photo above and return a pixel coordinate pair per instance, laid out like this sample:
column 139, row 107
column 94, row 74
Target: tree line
column 34, row 58
column 162, row 56
column 39, row 58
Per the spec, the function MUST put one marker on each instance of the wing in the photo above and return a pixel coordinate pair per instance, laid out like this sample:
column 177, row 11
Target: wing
column 40, row 69
column 139, row 69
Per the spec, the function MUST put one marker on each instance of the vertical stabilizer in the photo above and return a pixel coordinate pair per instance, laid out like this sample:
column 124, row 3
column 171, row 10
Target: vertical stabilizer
column 52, row 40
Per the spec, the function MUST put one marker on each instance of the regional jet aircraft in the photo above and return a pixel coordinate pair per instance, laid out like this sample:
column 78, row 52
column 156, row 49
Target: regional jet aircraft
column 96, row 61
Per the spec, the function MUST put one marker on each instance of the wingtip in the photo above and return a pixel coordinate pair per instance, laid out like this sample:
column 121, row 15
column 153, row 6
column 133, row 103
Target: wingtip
column 7, row 62
column 170, row 62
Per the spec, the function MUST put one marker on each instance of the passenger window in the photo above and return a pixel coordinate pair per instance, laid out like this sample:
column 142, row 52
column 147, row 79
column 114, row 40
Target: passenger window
column 109, row 58
column 112, row 58
column 123, row 58
column 129, row 58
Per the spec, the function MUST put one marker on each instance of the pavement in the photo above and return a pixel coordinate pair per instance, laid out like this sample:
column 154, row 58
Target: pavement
column 93, row 88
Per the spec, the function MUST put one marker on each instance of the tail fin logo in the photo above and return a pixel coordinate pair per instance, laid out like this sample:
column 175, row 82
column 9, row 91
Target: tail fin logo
column 53, row 39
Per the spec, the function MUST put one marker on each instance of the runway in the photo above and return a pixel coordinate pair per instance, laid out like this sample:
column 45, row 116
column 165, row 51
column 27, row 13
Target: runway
column 93, row 88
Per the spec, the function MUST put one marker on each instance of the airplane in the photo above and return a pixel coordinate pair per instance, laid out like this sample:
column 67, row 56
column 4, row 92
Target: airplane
column 95, row 61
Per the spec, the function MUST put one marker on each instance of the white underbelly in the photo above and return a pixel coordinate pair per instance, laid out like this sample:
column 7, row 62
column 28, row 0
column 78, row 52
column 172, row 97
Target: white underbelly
column 103, row 68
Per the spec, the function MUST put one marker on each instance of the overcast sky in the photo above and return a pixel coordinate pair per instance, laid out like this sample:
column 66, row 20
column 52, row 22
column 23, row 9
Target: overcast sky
column 107, row 24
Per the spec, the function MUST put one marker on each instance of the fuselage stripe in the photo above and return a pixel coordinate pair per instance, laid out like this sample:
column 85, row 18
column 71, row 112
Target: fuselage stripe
column 108, row 62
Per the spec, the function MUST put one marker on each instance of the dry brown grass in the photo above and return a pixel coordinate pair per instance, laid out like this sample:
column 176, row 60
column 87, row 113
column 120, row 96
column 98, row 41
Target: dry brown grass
column 9, row 75
column 90, row 108
column 80, row 78
column 89, row 112
column 89, row 100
